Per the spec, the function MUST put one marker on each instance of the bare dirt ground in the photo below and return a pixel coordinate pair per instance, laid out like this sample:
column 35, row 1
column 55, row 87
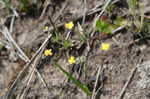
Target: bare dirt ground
column 123, row 71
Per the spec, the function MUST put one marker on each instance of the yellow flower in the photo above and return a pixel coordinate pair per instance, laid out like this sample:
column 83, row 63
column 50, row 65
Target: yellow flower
column 71, row 60
column 69, row 25
column 105, row 46
column 46, row 28
column 48, row 52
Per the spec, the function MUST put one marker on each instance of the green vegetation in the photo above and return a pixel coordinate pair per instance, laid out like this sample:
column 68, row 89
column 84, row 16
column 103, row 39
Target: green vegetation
column 74, row 80
column 104, row 27
column 138, row 18
column 25, row 5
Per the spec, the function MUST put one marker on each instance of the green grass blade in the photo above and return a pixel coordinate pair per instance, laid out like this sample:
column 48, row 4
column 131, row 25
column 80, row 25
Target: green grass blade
column 74, row 80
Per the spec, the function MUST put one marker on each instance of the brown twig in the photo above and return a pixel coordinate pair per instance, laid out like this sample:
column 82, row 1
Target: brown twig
column 25, row 68
column 46, row 3
column 128, row 81
column 88, row 13
column 22, row 55
column 33, row 70
column 96, row 82
column 84, row 12
column 60, row 11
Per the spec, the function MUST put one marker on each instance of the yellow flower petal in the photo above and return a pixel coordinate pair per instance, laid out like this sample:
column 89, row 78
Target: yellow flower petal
column 105, row 46
column 69, row 25
column 71, row 60
column 48, row 52
column 46, row 28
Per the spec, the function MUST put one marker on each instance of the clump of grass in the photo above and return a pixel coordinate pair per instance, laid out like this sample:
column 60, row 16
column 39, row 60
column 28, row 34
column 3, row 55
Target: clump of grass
column 104, row 27
column 137, row 19
column 64, row 43
column 107, row 27
column 145, row 30
column 133, row 6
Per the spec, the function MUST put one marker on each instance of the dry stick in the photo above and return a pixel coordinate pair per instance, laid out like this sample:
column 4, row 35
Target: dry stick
column 97, row 6
column 60, row 12
column 43, row 80
column 96, row 82
column 46, row 3
column 25, row 57
column 127, row 83
column 6, row 43
column 118, row 29
column 35, row 65
column 129, row 80
column 104, row 8
column 27, row 65
column 11, row 24
column 6, row 33
column 28, row 83
column 31, row 73
column 52, row 23
column 30, row 76
column 90, row 12
column 14, row 11
column 22, row 56
column 68, row 34
column 99, row 89
column 93, row 29
column 84, row 12
column 115, row 1
column 43, row 12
